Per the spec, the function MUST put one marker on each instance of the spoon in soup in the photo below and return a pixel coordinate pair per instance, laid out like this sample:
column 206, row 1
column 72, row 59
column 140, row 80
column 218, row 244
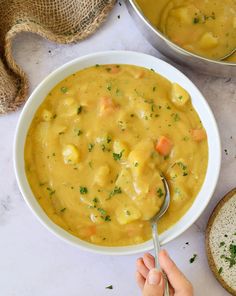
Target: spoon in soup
column 155, row 236
column 228, row 55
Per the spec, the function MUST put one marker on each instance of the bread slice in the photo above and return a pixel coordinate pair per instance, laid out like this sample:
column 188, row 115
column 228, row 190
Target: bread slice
column 220, row 235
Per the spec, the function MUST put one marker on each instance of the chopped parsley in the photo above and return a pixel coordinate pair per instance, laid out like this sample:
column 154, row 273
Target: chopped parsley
column 191, row 260
column 220, row 270
column 196, row 20
column 222, row 244
column 83, row 190
column 175, row 116
column 109, row 287
column 116, row 190
column 117, row 156
column 79, row 109
column 79, row 132
column 102, row 211
column 64, row 89
column 159, row 192
column 232, row 257
column 51, row 191
column 109, row 139
column 90, row 147
column 62, row 210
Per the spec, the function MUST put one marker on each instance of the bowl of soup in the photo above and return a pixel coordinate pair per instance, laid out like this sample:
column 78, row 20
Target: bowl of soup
column 94, row 139
column 197, row 34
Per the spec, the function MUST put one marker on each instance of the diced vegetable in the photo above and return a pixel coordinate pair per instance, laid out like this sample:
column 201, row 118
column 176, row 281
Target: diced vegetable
column 208, row 41
column 164, row 146
column 107, row 106
column 179, row 96
column 71, row 154
column 198, row 135
column 102, row 175
column 128, row 214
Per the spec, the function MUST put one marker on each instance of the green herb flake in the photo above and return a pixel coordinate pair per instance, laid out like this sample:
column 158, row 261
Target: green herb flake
column 79, row 133
column 79, row 109
column 191, row 260
column 109, row 287
column 109, row 139
column 128, row 213
column 136, row 164
column 102, row 211
column 159, row 192
column 222, row 244
column 97, row 65
column 154, row 88
column 116, row 190
column 220, row 270
column 90, row 147
column 107, row 218
column 64, row 89
column 83, row 190
column 62, row 210
column 175, row 116
column 196, row 20
column 117, row 156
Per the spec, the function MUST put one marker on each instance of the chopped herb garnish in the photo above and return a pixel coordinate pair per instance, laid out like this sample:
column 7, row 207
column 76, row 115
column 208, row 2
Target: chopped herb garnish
column 54, row 116
column 63, row 210
column 116, row 190
column 181, row 165
column 159, row 192
column 117, row 156
column 196, row 20
column 95, row 200
column 83, row 190
column 136, row 164
column 51, row 191
column 175, row 116
column 79, row 110
column 128, row 213
column 109, row 287
column 152, row 70
column 232, row 258
column 220, row 270
column 107, row 218
column 109, row 86
column 222, row 244
column 102, row 211
column 109, row 139
column 90, row 147
column 180, row 97
column 64, row 89
column 154, row 88
column 97, row 65
column 79, row 132
column 191, row 260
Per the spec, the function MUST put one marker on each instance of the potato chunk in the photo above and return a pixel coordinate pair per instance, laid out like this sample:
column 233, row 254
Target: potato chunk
column 127, row 214
column 208, row 41
column 179, row 96
column 102, row 175
column 139, row 156
column 125, row 181
column 71, row 154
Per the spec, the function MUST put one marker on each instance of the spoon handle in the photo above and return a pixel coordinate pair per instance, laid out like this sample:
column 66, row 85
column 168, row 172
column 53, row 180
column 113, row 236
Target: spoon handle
column 157, row 248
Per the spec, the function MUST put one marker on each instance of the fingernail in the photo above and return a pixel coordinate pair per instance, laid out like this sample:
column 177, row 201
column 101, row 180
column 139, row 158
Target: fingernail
column 154, row 277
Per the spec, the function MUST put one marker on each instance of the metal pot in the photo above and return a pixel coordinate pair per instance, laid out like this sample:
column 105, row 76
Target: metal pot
column 173, row 51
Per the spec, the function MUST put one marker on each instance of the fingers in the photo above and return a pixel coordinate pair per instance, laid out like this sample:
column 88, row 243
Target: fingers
column 149, row 261
column 176, row 278
column 154, row 285
column 141, row 267
column 140, row 280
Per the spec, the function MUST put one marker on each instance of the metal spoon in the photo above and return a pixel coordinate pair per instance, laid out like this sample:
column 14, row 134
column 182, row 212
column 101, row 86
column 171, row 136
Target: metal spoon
column 155, row 236
column 228, row 55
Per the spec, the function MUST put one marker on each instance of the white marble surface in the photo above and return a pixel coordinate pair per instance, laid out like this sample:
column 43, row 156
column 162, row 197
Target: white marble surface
column 35, row 263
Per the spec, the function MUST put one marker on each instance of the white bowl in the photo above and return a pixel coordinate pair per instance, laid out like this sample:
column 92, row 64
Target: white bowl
column 120, row 57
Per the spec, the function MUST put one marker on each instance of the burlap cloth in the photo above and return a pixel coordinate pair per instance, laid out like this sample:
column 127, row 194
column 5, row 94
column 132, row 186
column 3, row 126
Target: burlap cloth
column 62, row 21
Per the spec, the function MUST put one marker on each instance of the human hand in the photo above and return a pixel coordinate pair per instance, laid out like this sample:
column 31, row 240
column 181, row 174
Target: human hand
column 151, row 281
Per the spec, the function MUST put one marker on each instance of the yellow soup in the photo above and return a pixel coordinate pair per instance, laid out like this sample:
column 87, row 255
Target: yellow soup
column 207, row 28
column 98, row 144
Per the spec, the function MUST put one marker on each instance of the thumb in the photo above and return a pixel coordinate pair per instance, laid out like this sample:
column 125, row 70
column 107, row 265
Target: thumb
column 154, row 285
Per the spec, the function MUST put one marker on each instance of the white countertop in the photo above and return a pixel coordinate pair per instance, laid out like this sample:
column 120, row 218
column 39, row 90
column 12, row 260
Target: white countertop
column 33, row 262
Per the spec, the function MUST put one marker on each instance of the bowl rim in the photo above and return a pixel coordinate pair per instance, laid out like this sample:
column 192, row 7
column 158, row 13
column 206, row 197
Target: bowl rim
column 36, row 98
column 140, row 13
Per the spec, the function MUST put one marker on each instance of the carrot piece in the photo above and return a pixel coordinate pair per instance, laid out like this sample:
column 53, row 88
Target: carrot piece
column 198, row 135
column 107, row 106
column 164, row 146
column 88, row 231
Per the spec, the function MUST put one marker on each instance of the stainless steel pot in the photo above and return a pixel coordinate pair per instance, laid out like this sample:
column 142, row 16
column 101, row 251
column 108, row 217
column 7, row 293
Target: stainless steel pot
column 173, row 51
